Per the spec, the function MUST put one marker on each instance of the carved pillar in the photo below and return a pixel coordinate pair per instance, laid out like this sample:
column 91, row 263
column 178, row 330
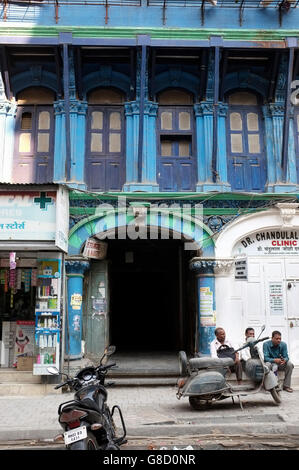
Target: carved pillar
column 221, row 150
column 78, row 111
column 149, row 154
column 204, row 133
column 75, row 273
column 204, row 270
column 7, row 134
column 277, row 113
column 270, row 151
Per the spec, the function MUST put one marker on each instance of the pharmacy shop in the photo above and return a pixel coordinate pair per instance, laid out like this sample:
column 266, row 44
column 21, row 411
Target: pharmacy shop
column 33, row 243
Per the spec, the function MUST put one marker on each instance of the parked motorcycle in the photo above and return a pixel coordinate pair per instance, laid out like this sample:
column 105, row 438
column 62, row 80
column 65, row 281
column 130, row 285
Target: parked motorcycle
column 205, row 377
column 87, row 420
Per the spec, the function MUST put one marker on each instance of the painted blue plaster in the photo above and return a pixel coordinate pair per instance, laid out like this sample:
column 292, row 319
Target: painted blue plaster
column 75, row 274
column 206, row 333
column 176, row 17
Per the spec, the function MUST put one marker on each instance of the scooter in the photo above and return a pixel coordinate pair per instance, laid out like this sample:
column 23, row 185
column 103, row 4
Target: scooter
column 205, row 381
column 87, row 420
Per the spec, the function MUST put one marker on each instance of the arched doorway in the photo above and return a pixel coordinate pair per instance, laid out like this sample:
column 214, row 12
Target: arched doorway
column 149, row 294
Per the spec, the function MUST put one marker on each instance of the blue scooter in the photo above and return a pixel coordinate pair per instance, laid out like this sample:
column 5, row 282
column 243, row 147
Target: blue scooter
column 204, row 378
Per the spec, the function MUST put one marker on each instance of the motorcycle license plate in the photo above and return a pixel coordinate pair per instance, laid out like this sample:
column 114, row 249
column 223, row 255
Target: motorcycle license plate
column 75, row 435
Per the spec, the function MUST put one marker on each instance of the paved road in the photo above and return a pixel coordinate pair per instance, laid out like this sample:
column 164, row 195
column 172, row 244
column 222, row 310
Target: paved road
column 154, row 411
column 269, row 442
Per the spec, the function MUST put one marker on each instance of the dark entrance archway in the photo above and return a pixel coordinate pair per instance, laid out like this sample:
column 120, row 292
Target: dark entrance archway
column 152, row 296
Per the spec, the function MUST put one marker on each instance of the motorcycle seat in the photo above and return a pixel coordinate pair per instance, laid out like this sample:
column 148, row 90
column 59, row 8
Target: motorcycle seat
column 209, row 362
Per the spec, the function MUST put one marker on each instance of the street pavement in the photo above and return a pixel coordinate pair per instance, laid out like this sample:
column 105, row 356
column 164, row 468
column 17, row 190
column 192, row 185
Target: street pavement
column 155, row 412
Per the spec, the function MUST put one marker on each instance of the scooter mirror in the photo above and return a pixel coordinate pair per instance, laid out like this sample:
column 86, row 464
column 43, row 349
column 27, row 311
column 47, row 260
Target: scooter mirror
column 53, row 370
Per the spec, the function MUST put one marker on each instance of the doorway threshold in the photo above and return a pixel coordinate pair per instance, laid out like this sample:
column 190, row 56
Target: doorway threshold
column 135, row 368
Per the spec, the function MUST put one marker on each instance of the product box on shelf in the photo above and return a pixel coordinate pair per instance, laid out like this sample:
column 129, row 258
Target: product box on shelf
column 25, row 363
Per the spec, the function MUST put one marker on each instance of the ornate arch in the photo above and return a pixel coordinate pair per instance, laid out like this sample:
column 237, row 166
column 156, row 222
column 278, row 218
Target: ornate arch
column 244, row 79
column 106, row 77
column 191, row 229
column 176, row 78
column 35, row 77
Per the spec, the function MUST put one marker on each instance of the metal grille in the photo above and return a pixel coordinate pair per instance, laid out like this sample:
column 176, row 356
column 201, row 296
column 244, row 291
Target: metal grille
column 225, row 3
column 108, row 3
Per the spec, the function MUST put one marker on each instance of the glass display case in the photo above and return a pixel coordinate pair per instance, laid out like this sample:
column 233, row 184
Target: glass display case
column 47, row 315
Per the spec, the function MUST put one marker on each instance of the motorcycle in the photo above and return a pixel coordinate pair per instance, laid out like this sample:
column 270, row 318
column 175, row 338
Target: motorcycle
column 87, row 420
column 205, row 381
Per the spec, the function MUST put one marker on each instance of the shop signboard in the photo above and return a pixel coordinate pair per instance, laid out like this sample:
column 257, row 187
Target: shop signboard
column 39, row 215
column 207, row 317
column 269, row 242
column 276, row 298
column 95, row 249
column 241, row 269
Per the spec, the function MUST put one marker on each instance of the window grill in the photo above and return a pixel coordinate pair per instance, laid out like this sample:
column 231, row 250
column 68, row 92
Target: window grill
column 283, row 6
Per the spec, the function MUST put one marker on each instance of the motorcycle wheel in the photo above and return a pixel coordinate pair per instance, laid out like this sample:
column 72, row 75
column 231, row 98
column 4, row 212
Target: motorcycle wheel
column 89, row 443
column 183, row 361
column 196, row 403
column 275, row 395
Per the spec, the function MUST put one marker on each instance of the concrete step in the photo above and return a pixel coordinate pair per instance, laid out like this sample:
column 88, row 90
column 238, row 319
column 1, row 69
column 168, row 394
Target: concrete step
column 25, row 389
column 18, row 377
column 15, row 382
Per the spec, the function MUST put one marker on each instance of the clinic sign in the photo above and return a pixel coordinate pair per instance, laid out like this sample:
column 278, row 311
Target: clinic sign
column 269, row 242
column 34, row 216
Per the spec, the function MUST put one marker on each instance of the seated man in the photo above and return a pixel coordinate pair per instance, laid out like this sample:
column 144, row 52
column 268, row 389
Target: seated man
column 215, row 345
column 276, row 357
column 244, row 354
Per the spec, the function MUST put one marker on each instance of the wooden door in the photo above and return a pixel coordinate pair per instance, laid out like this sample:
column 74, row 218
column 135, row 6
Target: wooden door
column 245, row 147
column 34, row 145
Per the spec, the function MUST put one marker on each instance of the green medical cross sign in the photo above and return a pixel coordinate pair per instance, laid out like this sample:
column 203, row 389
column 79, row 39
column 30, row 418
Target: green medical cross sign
column 43, row 200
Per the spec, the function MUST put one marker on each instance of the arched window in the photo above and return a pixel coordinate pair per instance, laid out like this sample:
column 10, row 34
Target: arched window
column 245, row 145
column 105, row 152
column 176, row 146
column 34, row 140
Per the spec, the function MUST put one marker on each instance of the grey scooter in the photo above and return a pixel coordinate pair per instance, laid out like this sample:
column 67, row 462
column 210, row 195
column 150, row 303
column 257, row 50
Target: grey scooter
column 204, row 377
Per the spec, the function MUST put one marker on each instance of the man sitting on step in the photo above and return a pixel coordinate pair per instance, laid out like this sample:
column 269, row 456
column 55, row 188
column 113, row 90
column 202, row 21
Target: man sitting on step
column 221, row 341
column 276, row 357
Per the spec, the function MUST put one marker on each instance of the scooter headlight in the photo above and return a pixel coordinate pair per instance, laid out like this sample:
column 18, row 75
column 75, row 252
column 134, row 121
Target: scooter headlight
column 181, row 383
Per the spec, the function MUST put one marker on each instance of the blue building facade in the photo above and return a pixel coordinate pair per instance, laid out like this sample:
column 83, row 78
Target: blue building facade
column 159, row 102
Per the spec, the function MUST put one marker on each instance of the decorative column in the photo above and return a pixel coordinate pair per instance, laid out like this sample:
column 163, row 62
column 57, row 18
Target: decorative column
column 7, row 126
column 270, row 153
column 204, row 270
column 277, row 111
column 75, row 270
column 221, row 150
column 132, row 126
column 149, row 154
column 133, row 110
column 200, row 147
column 78, row 111
column 204, row 133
